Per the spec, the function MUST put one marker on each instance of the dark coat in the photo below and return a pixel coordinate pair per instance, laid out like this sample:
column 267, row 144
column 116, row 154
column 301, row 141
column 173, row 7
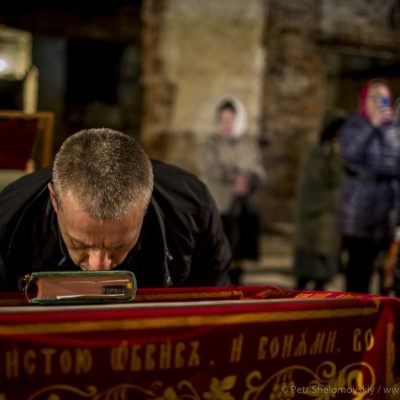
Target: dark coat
column 316, row 237
column 370, row 200
column 181, row 242
column 317, row 198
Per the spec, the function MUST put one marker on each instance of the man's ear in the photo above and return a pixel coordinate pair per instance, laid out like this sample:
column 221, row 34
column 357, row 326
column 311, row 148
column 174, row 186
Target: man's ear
column 53, row 197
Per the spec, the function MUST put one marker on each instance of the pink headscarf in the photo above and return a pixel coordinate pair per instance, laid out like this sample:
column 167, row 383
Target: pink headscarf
column 362, row 95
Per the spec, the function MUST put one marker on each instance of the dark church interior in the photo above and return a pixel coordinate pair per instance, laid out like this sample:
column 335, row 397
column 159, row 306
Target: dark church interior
column 290, row 77
column 102, row 63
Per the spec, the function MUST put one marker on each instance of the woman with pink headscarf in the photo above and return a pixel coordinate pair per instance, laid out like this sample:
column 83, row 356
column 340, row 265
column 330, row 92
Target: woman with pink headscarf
column 368, row 213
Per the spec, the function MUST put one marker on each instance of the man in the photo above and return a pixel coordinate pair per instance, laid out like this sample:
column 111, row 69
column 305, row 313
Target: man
column 100, row 208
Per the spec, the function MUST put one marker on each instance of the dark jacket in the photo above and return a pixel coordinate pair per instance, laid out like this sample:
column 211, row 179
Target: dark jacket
column 371, row 193
column 317, row 199
column 181, row 242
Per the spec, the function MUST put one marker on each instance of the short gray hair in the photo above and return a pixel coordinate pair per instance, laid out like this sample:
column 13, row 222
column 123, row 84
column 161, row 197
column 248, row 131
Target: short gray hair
column 105, row 170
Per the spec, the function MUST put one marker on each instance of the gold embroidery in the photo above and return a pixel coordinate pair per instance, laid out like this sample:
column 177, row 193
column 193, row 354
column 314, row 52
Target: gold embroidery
column 357, row 379
column 182, row 322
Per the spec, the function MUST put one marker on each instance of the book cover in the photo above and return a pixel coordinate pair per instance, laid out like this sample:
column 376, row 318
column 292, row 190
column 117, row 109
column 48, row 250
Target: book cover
column 80, row 287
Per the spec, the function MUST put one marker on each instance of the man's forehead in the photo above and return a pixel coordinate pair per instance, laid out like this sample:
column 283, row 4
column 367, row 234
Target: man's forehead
column 72, row 207
column 102, row 242
column 80, row 225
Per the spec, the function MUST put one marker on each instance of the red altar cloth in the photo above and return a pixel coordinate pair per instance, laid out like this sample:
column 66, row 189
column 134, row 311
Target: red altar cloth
column 252, row 343
column 17, row 138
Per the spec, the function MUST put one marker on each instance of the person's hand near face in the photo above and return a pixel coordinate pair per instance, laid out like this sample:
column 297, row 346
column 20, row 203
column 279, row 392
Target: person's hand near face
column 378, row 105
column 241, row 185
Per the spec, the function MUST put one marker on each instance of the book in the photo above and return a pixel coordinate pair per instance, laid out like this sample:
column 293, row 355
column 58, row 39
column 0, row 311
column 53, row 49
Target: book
column 80, row 287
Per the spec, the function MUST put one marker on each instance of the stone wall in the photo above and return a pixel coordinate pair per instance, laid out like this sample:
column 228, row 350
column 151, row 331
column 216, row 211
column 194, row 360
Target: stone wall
column 288, row 61
column 293, row 98
column 203, row 50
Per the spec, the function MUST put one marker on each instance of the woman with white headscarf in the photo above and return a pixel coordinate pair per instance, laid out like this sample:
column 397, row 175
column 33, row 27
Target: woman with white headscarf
column 231, row 166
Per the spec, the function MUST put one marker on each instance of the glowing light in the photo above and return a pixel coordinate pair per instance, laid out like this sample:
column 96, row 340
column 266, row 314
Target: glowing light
column 4, row 65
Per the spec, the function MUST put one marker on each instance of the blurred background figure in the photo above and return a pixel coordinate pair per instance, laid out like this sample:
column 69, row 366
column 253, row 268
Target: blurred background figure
column 369, row 210
column 231, row 165
column 316, row 237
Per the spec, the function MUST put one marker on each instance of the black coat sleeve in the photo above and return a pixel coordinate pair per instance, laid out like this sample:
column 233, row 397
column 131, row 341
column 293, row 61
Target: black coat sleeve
column 200, row 251
column 14, row 200
column 212, row 253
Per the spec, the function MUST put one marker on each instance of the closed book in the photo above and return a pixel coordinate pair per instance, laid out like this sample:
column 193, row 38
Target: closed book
column 80, row 287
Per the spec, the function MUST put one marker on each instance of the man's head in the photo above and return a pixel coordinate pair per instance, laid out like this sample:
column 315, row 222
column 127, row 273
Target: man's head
column 102, row 185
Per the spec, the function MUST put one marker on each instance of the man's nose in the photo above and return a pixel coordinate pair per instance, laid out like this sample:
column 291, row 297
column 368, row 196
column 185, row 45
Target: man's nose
column 99, row 260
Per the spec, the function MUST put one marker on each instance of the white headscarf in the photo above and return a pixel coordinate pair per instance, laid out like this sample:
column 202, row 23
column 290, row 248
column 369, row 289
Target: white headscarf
column 240, row 124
